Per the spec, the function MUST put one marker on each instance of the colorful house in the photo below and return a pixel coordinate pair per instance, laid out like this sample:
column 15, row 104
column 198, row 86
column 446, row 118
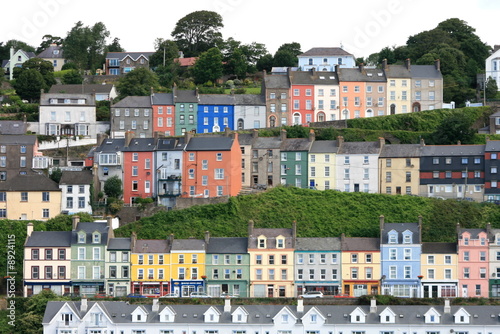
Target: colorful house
column 277, row 93
column 302, row 97
column 398, row 87
column 439, row 270
column 399, row 167
column 325, row 59
column 491, row 170
column 117, row 267
column 294, row 159
column 168, row 166
column 249, row 111
column 322, row 167
column 132, row 114
column 138, row 171
column 473, row 268
column 215, row 113
column 187, row 263
column 494, row 260
column 186, row 108
column 163, row 113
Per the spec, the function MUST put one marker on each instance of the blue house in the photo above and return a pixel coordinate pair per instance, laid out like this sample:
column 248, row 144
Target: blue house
column 215, row 113
column 400, row 248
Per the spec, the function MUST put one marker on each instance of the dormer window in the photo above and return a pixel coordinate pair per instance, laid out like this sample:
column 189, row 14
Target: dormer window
column 280, row 243
column 284, row 318
column 81, row 237
column 407, row 239
column 466, row 241
column 393, row 238
column 96, row 238
column 262, row 242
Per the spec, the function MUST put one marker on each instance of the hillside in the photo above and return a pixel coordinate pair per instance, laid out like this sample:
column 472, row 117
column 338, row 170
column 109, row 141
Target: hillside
column 318, row 214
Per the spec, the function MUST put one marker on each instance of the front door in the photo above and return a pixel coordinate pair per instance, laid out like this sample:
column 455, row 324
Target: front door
column 270, row 289
column 465, row 293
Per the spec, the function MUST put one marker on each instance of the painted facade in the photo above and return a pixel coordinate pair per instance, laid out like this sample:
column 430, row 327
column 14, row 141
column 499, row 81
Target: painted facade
column 399, row 167
column 322, row 167
column 439, row 270
column 163, row 113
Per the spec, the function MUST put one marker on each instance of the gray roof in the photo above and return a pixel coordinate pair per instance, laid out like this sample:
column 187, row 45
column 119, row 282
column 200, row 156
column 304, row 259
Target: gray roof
column 185, row 96
column 324, row 146
column 162, row 99
column 79, row 89
column 133, row 102
column 296, row 144
column 151, row 246
column 119, row 244
column 34, row 182
column 439, row 248
column 17, row 139
column 188, row 244
column 317, row 244
column 227, row 246
column 276, row 82
column 210, row 143
column 314, row 78
column 217, row 99
column 123, row 55
column 401, row 227
column 474, row 232
column 320, row 51
column 76, row 177
column 89, row 228
column 245, row 138
column 271, row 234
column 397, row 71
column 361, row 244
column 13, row 127
column 366, row 147
column 492, row 146
column 140, row 145
column 49, row 238
column 401, row 151
column 364, row 75
column 45, row 99
column 452, row 150
column 111, row 145
column 170, row 144
column 267, row 143
column 249, row 100
column 425, row 71
column 49, row 52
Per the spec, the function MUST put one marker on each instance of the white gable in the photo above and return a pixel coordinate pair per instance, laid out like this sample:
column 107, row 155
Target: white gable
column 387, row 316
column 432, row 316
column 285, row 316
column 313, row 316
column 240, row 315
column 96, row 315
column 212, row 315
column 358, row 316
column 139, row 314
column 461, row 316
column 167, row 314
column 65, row 309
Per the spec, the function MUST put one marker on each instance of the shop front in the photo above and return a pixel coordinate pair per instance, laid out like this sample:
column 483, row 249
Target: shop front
column 184, row 288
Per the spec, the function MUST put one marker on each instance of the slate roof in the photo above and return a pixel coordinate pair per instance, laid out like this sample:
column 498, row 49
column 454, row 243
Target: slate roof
column 49, row 238
column 123, row 55
column 13, row 127
column 79, row 89
column 216, row 99
column 249, row 99
column 17, row 139
column 425, row 71
column 76, row 177
column 162, row 99
column 267, row 143
column 89, row 228
column 317, row 244
column 452, row 150
column 400, row 228
column 49, row 52
column 188, row 245
column 324, row 146
column 296, row 144
column 151, row 246
column 321, row 51
column 439, row 248
column 474, row 232
column 397, row 71
column 33, row 182
column 367, row 147
column 365, row 75
column 210, row 143
column 185, row 96
column 361, row 244
column 111, row 145
column 271, row 234
column 119, row 244
column 227, row 246
column 245, row 138
column 134, row 102
column 171, row 144
column 45, row 98
column 277, row 82
column 314, row 78
column 140, row 145
column 492, row 146
column 401, row 151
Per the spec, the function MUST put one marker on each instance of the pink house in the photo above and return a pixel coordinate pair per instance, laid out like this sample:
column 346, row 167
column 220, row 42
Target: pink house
column 472, row 262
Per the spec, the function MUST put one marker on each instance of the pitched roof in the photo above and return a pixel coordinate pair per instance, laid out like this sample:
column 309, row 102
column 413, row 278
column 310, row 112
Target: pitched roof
column 17, row 139
column 314, row 78
column 151, row 246
column 324, row 146
column 227, row 246
column 133, row 55
column 89, row 228
column 46, row 97
column 296, row 144
column 267, row 143
column 210, row 143
column 361, row 75
column 53, row 51
column 321, row 51
column 33, row 182
column 49, row 238
column 217, row 99
column 271, row 234
column 162, row 99
column 401, row 151
column 425, row 71
column 492, row 146
column 13, row 127
column 276, row 82
column 82, row 89
column 315, row 244
column 119, row 244
column 245, row 138
column 361, row 244
column 76, row 177
column 474, row 232
column 140, row 145
column 133, row 102
column 185, row 96
column 171, row 144
column 397, row 71
column 439, row 247
column 401, row 227
column 188, row 244
column 189, row 61
column 366, row 147
column 452, row 150
column 250, row 99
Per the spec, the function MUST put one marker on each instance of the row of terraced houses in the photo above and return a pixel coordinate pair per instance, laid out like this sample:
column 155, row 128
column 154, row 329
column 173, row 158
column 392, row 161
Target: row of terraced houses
column 270, row 262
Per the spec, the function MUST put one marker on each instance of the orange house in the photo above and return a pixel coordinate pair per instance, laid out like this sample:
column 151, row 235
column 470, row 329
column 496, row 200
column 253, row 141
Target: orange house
column 138, row 168
column 212, row 166
column 163, row 113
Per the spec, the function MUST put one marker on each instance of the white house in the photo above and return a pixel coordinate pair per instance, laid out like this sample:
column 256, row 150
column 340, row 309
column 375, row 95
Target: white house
column 326, row 59
column 493, row 66
column 75, row 188
column 16, row 59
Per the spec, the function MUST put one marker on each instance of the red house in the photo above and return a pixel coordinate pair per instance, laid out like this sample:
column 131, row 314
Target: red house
column 163, row 113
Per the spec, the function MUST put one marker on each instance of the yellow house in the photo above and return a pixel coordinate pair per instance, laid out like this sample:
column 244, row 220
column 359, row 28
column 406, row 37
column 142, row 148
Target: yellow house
column 322, row 164
column 439, row 268
column 150, row 267
column 271, row 253
column 187, row 266
column 398, row 88
column 361, row 272
column 399, row 169
column 29, row 197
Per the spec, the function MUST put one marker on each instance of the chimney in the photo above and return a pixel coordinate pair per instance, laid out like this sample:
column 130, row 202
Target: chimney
column 156, row 305
column 84, row 305
column 340, row 140
column 250, row 228
column 128, row 138
column 227, row 131
column 420, row 220
column 458, row 230
column 255, row 133
column 29, row 229
column 300, row 305
column 381, row 141
column 11, row 53
column 488, row 228
column 152, row 92
column 381, row 222
column 361, row 67
column 422, row 142
column 384, row 64
column 447, row 307
column 227, row 304
column 283, row 135
column 171, row 238
column 76, row 220
column 207, row 237
column 187, row 137
column 313, row 70
column 100, row 138
column 109, row 221
column 133, row 240
column 459, row 143
column 373, row 305
column 437, row 65
column 408, row 64
column 312, row 135
column 294, row 232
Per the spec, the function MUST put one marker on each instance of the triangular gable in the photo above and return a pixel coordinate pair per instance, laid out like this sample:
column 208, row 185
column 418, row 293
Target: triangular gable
column 96, row 307
column 240, row 310
column 462, row 313
column 211, row 311
column 277, row 319
column 308, row 317
column 387, row 312
column 66, row 308
column 432, row 316
column 167, row 310
column 139, row 310
column 358, row 315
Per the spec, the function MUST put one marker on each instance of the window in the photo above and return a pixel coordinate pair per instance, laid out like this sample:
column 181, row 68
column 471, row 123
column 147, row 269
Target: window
column 466, row 256
column 354, row 258
column 45, row 196
column 219, row 173
column 466, row 272
column 45, row 213
column 258, row 259
column 392, row 254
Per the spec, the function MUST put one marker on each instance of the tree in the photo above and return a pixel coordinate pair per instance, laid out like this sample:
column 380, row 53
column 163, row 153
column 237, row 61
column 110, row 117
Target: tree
column 115, row 46
column 491, row 89
column 284, row 58
column 138, row 82
column 236, row 64
column 48, row 40
column 166, row 52
column 17, row 45
column 45, row 68
column 293, row 48
column 56, row 175
column 86, row 46
column 208, row 67
column 453, row 129
column 72, row 77
column 29, row 85
column 197, row 32
column 265, row 63
column 113, row 187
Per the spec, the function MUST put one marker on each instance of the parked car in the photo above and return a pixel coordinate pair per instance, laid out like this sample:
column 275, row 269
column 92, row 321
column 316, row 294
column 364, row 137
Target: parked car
column 135, row 295
column 171, row 295
column 312, row 294
column 228, row 295
column 199, row 294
